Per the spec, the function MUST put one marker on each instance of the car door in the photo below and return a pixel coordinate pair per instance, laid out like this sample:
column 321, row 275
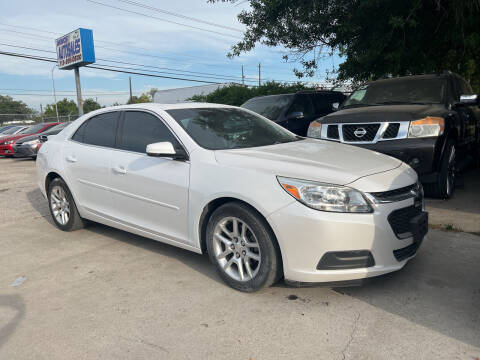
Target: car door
column 303, row 104
column 149, row 193
column 87, row 157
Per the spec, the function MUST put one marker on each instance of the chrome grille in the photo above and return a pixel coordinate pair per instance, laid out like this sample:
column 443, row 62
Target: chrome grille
column 365, row 133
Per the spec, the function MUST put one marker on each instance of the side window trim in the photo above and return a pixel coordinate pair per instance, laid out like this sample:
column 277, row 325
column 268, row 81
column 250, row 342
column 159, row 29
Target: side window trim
column 154, row 114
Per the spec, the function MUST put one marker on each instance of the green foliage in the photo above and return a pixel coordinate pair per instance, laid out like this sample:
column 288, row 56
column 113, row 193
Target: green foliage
column 376, row 38
column 65, row 107
column 10, row 106
column 144, row 98
column 237, row 94
column 90, row 105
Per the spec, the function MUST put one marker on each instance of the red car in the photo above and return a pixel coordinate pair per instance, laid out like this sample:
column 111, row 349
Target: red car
column 6, row 143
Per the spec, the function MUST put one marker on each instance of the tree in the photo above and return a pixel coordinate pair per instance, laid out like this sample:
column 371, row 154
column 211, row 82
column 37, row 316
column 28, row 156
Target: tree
column 376, row 38
column 10, row 106
column 65, row 107
column 90, row 105
column 144, row 98
column 237, row 94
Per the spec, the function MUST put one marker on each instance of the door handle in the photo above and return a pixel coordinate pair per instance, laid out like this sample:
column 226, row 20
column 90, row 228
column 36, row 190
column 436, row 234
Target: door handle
column 119, row 170
column 71, row 159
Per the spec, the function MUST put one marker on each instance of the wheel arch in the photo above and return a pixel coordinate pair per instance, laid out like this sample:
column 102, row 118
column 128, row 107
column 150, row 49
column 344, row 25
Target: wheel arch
column 214, row 204
column 50, row 177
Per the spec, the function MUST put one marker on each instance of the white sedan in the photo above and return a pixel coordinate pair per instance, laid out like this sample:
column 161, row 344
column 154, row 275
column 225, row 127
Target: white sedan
column 261, row 201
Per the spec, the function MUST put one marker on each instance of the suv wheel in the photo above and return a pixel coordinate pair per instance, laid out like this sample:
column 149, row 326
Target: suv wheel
column 444, row 187
column 62, row 207
column 242, row 248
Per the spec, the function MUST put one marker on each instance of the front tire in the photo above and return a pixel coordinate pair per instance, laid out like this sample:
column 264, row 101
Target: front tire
column 62, row 206
column 243, row 248
column 444, row 186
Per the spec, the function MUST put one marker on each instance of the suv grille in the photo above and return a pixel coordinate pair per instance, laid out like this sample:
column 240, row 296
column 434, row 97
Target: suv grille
column 392, row 131
column 332, row 132
column 400, row 220
column 360, row 132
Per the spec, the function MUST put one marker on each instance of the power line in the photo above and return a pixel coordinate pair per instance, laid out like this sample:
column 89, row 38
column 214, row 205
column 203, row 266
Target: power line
column 160, row 19
column 27, row 56
column 135, row 3
column 182, row 72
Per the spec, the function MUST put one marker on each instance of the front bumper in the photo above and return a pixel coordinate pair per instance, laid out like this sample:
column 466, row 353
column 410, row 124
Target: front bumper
column 306, row 235
column 421, row 154
column 22, row 151
column 6, row 150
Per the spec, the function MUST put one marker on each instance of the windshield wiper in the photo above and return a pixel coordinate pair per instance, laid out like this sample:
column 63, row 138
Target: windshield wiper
column 402, row 103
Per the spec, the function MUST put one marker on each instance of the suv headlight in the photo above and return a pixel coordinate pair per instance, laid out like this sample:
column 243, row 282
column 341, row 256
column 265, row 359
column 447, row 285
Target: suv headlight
column 426, row 127
column 326, row 197
column 315, row 130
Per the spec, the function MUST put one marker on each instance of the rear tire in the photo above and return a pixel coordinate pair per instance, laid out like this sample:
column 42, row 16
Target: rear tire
column 444, row 186
column 243, row 248
column 62, row 206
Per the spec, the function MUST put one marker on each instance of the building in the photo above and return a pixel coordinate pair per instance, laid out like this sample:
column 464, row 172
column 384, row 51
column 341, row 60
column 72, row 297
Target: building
column 177, row 95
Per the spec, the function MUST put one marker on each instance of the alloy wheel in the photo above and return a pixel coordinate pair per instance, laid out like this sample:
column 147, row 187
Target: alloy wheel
column 60, row 205
column 236, row 249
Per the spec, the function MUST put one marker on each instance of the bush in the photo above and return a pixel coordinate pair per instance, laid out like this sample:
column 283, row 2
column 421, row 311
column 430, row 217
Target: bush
column 236, row 94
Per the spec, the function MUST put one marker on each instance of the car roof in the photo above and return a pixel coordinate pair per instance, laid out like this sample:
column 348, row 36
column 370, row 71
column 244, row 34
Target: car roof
column 157, row 106
column 414, row 77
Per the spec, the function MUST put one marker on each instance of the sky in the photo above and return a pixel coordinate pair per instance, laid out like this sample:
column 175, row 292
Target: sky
column 125, row 32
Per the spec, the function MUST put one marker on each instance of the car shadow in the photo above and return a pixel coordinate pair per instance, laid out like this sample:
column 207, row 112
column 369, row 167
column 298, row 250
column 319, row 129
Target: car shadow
column 16, row 303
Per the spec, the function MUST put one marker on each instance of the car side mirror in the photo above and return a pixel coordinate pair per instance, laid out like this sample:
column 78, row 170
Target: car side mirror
column 165, row 149
column 335, row 106
column 43, row 138
column 469, row 99
column 295, row 115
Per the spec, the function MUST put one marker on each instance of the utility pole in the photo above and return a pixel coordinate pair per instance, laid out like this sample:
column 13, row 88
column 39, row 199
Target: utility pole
column 41, row 112
column 243, row 77
column 79, row 91
column 54, row 93
column 259, row 74
column 130, row 82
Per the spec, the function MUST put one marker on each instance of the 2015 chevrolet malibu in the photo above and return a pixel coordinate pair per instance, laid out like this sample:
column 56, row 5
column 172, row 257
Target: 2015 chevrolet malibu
column 261, row 201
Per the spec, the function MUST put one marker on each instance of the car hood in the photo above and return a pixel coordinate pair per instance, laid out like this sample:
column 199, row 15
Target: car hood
column 14, row 137
column 310, row 159
column 27, row 138
column 407, row 112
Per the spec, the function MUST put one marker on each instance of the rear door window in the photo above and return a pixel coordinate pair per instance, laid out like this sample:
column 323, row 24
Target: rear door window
column 100, row 130
column 140, row 129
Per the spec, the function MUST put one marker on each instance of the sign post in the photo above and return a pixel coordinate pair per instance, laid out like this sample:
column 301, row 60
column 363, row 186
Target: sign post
column 76, row 49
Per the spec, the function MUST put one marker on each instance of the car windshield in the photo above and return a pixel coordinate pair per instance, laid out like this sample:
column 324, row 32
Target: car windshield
column 269, row 106
column 10, row 130
column 32, row 129
column 399, row 91
column 230, row 128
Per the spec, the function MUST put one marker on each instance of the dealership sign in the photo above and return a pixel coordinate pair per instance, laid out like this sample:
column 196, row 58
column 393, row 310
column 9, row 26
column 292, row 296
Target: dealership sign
column 75, row 49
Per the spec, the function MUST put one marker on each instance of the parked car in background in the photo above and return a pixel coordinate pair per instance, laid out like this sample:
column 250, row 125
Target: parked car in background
column 12, row 131
column 29, row 145
column 431, row 122
column 7, row 142
column 295, row 112
column 262, row 201
column 5, row 128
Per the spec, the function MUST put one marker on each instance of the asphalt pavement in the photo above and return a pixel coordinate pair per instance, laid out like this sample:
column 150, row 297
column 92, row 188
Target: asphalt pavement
column 101, row 293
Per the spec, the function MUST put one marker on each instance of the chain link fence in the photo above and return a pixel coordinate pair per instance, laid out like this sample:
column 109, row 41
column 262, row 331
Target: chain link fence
column 29, row 119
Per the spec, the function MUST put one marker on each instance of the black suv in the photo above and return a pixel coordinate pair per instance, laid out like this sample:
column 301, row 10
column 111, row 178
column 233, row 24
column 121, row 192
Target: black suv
column 295, row 112
column 431, row 122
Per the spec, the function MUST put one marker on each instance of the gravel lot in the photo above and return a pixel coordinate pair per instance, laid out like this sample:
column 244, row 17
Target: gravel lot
column 103, row 293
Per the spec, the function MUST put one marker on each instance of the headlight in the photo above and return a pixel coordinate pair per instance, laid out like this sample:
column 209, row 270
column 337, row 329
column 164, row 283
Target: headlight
column 315, row 130
column 32, row 142
column 8, row 142
column 427, row 127
column 326, row 197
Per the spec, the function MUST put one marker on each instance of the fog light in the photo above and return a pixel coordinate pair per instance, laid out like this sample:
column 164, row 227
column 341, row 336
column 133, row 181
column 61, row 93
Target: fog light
column 414, row 162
